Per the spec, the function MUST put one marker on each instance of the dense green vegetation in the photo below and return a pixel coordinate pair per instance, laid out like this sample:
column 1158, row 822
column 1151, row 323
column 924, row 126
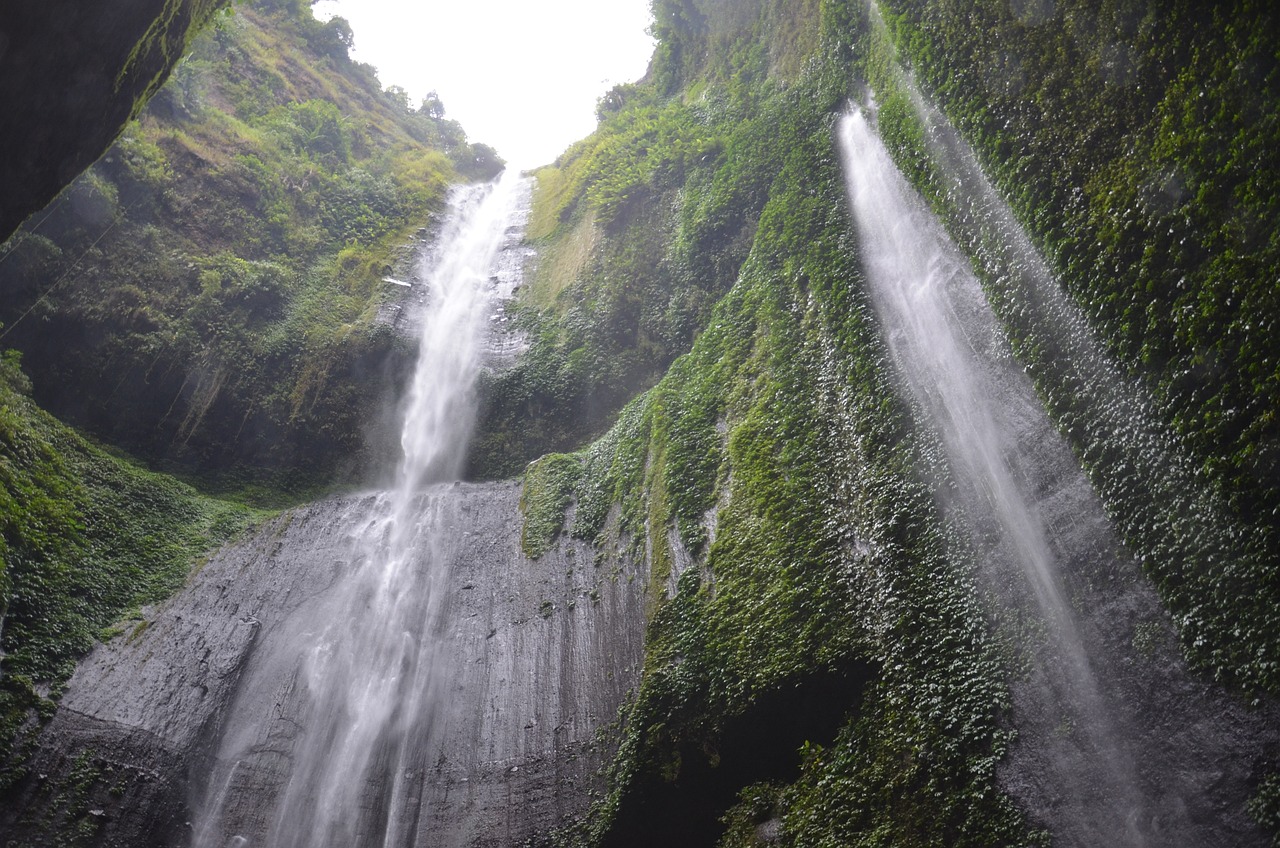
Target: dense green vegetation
column 208, row 295
column 1136, row 141
column 87, row 538
column 771, row 463
column 769, row 476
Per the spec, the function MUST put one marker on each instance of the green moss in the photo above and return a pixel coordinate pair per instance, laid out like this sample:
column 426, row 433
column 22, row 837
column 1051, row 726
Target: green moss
column 87, row 538
column 548, row 490
column 210, row 294
column 68, row 819
column 162, row 45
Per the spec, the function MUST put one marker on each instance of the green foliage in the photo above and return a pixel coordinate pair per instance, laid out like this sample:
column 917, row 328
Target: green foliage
column 68, row 821
column 314, row 129
column 86, row 538
column 756, row 808
column 1264, row 806
column 1132, row 141
column 772, row 481
column 209, row 294
column 679, row 28
column 547, row 493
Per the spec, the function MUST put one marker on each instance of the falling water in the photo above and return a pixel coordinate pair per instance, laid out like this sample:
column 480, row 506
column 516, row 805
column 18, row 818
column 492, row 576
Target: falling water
column 333, row 753
column 1117, row 743
column 947, row 345
column 440, row 408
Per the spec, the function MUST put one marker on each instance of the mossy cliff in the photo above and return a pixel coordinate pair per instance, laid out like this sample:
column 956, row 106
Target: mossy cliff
column 771, row 475
column 1135, row 142
column 208, row 296
column 801, row 596
column 88, row 539
column 211, row 293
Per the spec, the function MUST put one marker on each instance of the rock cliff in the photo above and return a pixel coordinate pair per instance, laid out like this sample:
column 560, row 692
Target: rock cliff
column 153, row 725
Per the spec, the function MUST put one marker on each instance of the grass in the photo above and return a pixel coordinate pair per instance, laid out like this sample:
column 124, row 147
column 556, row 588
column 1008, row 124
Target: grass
column 88, row 538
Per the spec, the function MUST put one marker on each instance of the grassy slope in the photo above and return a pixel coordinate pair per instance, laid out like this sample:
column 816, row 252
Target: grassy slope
column 207, row 294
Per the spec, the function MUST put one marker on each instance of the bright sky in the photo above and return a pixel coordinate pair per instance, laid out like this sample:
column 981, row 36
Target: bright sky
column 520, row 75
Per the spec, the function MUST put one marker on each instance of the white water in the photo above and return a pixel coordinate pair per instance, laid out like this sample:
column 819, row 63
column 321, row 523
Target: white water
column 1191, row 516
column 948, row 347
column 440, row 408
column 354, row 727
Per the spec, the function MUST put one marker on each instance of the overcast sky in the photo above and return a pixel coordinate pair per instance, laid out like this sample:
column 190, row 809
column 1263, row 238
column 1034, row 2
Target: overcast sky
column 520, row 75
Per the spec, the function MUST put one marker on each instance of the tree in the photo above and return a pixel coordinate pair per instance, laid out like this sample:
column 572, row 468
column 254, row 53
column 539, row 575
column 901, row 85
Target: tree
column 432, row 107
column 333, row 38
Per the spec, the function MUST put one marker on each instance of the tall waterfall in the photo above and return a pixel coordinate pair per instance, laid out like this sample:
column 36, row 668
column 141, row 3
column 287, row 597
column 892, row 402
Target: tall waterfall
column 438, row 415
column 333, row 752
column 1103, row 755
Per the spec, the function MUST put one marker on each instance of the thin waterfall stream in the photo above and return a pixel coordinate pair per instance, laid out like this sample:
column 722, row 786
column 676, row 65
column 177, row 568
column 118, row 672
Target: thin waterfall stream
column 1116, row 745
column 354, row 721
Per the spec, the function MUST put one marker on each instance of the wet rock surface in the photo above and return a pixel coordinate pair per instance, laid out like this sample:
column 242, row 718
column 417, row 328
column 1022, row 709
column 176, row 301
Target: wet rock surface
column 1190, row 753
column 1116, row 741
column 539, row 656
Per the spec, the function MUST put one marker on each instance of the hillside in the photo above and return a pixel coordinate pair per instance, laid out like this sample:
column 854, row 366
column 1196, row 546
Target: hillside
column 208, row 294
column 209, row 297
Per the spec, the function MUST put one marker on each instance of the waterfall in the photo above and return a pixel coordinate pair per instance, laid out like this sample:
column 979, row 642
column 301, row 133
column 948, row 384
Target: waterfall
column 1103, row 754
column 335, row 755
column 945, row 343
column 438, row 415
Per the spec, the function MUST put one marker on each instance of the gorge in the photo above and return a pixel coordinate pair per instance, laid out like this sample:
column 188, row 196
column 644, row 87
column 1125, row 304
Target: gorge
column 866, row 437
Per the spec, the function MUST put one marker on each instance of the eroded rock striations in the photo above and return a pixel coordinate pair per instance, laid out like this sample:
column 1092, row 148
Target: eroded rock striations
column 542, row 654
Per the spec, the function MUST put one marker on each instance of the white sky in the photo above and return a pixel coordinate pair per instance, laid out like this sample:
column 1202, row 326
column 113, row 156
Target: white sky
column 520, row 75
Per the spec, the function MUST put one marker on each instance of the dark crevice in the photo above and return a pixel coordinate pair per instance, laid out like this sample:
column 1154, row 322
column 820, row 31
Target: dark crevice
column 760, row 744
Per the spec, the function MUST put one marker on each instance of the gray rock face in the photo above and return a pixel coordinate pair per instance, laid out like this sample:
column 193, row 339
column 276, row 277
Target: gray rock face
column 197, row 710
